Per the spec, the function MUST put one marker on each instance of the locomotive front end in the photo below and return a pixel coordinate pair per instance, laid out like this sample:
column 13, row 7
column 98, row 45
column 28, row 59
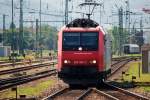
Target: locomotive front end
column 81, row 56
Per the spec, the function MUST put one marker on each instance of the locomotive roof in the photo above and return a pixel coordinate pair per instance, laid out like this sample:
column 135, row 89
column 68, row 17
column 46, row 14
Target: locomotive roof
column 82, row 22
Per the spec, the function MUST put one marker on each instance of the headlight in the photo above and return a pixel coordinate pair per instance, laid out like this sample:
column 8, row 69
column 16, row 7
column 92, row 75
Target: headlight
column 65, row 61
column 80, row 48
column 94, row 62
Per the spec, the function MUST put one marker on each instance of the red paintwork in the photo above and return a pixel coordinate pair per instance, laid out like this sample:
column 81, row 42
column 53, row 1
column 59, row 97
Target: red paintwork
column 83, row 58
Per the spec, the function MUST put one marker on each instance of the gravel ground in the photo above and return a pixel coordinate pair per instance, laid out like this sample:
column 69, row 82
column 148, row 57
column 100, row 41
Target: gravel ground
column 95, row 96
column 56, row 87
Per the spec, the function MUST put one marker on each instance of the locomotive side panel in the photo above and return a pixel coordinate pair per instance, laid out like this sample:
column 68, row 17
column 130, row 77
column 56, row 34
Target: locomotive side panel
column 101, row 52
column 108, row 53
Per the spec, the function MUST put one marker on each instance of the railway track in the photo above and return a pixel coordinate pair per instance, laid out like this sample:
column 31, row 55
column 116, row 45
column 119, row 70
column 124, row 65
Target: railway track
column 9, row 71
column 77, row 94
column 7, row 83
column 121, row 94
column 108, row 93
column 116, row 61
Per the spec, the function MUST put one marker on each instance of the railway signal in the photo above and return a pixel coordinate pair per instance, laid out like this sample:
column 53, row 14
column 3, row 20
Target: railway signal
column 123, row 73
column 22, row 96
column 133, row 78
column 15, row 89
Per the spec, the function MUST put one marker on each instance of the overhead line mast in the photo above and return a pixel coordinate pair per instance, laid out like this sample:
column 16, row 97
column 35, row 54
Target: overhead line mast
column 66, row 12
column 121, row 39
column 127, row 24
column 12, row 27
column 21, row 37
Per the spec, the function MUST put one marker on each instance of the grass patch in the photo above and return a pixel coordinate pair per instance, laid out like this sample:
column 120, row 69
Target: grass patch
column 146, row 88
column 134, row 71
column 4, row 58
column 34, row 90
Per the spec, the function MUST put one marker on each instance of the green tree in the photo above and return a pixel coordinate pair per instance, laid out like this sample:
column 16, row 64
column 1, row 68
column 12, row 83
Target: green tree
column 48, row 37
column 115, row 40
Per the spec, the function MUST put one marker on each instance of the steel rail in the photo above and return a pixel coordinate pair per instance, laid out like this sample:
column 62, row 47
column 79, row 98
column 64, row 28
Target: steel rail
column 124, row 57
column 11, row 80
column 66, row 90
column 105, row 94
column 121, row 60
column 84, row 94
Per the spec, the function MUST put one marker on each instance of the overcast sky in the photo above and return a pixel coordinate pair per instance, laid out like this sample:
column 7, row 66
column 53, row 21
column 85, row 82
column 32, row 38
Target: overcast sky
column 56, row 7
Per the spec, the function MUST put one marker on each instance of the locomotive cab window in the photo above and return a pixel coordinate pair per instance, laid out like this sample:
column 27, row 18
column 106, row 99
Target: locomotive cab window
column 88, row 41
column 71, row 39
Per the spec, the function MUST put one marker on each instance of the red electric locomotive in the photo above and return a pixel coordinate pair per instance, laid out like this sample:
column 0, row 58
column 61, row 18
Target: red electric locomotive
column 84, row 52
